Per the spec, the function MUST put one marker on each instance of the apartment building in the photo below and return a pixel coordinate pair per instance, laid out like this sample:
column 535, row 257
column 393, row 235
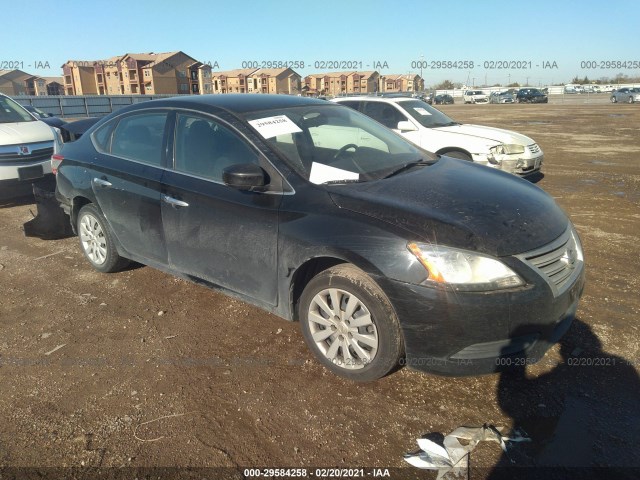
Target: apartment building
column 137, row 73
column 79, row 77
column 401, row 83
column 274, row 80
column 341, row 83
column 17, row 82
column 231, row 81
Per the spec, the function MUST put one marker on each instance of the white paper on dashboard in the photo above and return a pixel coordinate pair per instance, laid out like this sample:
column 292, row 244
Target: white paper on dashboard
column 421, row 111
column 270, row 127
column 321, row 173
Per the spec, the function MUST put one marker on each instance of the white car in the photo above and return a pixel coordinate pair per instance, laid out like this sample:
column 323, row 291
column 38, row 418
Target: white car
column 26, row 145
column 432, row 130
column 475, row 96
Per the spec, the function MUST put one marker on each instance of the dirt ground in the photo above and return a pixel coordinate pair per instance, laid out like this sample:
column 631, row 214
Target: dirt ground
column 139, row 369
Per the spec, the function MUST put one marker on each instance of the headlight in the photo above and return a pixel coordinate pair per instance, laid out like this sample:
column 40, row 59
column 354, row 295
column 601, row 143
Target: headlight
column 462, row 269
column 507, row 149
column 576, row 240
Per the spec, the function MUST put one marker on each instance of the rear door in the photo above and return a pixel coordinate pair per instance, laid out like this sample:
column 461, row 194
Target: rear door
column 126, row 180
column 214, row 232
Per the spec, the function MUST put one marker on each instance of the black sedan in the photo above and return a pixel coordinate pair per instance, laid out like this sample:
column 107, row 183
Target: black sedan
column 531, row 95
column 386, row 254
column 47, row 118
column 443, row 99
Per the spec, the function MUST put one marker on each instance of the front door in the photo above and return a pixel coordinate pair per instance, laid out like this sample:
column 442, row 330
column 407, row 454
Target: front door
column 214, row 232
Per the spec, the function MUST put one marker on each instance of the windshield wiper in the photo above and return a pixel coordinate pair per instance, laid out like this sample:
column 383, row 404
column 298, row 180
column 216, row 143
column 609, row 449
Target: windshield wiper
column 407, row 166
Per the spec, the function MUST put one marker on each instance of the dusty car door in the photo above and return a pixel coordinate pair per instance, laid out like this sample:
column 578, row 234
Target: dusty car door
column 126, row 181
column 215, row 232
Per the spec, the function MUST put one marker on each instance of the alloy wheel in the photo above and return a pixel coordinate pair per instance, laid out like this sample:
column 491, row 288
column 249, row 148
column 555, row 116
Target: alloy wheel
column 93, row 239
column 342, row 328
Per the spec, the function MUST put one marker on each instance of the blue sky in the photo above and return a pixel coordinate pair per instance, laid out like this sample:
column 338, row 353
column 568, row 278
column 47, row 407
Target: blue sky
column 367, row 31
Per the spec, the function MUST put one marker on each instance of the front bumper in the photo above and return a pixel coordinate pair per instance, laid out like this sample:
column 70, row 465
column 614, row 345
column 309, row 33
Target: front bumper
column 522, row 166
column 463, row 333
column 25, row 171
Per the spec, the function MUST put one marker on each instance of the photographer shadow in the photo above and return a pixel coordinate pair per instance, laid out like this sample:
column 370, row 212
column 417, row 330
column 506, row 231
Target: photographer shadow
column 583, row 416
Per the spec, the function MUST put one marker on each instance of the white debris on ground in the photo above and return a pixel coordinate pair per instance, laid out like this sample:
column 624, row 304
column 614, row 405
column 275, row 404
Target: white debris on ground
column 452, row 460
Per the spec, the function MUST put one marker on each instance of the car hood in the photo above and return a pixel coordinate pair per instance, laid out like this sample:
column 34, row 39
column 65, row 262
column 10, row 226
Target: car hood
column 24, row 132
column 460, row 204
column 489, row 133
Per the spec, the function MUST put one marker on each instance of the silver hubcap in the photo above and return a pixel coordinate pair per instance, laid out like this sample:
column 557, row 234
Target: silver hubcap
column 342, row 328
column 92, row 238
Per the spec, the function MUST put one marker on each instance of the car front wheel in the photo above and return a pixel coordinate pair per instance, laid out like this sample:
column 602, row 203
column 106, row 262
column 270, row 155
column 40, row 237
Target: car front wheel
column 630, row 100
column 613, row 100
column 350, row 325
column 96, row 241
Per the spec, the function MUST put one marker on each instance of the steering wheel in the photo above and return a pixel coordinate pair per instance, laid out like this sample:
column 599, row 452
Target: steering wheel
column 344, row 149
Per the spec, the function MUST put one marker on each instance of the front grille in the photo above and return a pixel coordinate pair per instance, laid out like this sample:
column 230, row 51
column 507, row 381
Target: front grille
column 556, row 262
column 534, row 148
column 36, row 155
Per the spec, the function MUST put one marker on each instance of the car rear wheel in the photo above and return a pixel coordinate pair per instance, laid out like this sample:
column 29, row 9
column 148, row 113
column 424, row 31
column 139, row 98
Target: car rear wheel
column 458, row 154
column 96, row 241
column 614, row 99
column 350, row 325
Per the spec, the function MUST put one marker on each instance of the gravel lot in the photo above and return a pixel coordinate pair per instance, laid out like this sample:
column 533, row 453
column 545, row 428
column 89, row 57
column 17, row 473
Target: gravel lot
column 140, row 369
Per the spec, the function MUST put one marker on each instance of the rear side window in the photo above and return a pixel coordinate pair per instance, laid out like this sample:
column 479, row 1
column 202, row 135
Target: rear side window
column 140, row 137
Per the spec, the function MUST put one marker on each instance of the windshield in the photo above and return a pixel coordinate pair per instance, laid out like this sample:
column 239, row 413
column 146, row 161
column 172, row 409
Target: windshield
column 425, row 114
column 331, row 143
column 11, row 112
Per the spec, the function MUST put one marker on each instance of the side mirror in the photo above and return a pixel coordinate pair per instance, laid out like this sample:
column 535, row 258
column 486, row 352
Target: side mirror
column 406, row 126
column 244, row 176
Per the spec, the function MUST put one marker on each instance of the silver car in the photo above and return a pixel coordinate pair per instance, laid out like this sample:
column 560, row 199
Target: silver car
column 501, row 97
column 629, row 95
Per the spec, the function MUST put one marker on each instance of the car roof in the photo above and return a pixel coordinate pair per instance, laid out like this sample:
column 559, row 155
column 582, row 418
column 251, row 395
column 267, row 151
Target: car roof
column 235, row 103
column 385, row 99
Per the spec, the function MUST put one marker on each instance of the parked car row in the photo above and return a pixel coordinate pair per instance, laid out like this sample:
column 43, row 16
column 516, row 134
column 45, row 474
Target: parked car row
column 383, row 251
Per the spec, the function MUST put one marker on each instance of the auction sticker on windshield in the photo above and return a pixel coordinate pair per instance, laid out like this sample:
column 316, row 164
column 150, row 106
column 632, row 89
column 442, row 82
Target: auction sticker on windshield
column 421, row 111
column 270, row 127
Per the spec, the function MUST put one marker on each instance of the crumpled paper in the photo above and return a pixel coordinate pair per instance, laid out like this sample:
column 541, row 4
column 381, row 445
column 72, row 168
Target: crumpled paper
column 452, row 460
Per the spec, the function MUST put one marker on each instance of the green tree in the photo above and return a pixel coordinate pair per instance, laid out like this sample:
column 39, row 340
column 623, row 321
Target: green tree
column 446, row 85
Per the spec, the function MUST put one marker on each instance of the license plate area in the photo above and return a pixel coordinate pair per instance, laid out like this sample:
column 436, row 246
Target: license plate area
column 30, row 173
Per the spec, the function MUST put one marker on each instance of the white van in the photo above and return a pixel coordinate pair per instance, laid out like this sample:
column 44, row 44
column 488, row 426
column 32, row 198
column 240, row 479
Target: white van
column 26, row 145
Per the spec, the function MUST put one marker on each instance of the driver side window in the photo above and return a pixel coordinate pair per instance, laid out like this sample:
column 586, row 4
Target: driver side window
column 205, row 148
column 384, row 113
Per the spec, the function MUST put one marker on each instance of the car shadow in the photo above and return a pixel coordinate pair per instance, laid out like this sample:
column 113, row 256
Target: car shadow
column 581, row 416
column 20, row 200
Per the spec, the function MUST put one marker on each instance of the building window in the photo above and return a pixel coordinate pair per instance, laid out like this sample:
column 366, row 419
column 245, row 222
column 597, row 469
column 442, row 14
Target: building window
column 184, row 87
column 146, row 73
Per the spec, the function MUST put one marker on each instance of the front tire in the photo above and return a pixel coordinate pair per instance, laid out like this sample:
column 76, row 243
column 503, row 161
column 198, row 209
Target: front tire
column 630, row 100
column 614, row 100
column 350, row 325
column 96, row 241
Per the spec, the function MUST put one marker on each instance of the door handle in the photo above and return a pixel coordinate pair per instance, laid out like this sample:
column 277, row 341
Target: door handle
column 174, row 202
column 101, row 182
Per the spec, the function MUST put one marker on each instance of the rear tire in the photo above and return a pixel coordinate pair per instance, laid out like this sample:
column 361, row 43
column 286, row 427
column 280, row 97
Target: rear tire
column 614, row 100
column 350, row 325
column 97, row 242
